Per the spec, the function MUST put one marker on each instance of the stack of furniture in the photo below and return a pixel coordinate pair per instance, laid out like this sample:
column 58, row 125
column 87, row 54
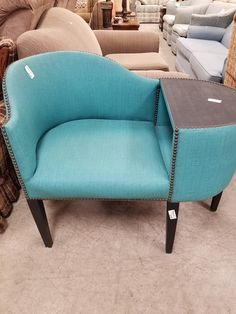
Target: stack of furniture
column 130, row 138
column 148, row 11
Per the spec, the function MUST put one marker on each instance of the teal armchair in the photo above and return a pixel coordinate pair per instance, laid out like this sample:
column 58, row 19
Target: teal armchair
column 81, row 126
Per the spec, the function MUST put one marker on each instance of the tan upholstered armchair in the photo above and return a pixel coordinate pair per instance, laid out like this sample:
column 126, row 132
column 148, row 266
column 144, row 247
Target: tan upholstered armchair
column 18, row 16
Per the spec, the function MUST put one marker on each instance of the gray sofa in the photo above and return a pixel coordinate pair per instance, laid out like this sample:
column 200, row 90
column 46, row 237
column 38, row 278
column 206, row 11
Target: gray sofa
column 203, row 54
column 176, row 11
column 217, row 13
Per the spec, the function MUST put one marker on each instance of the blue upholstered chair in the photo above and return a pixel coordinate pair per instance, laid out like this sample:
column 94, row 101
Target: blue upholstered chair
column 81, row 126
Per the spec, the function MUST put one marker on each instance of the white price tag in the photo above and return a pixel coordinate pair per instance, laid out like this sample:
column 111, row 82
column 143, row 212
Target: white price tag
column 172, row 214
column 218, row 101
column 29, row 72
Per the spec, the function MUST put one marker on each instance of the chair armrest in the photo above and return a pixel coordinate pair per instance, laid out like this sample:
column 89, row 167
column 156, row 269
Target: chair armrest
column 127, row 41
column 203, row 165
column 199, row 148
column 184, row 14
column 206, row 32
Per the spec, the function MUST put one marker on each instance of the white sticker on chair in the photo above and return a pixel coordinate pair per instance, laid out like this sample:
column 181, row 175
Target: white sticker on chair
column 218, row 101
column 29, row 72
column 172, row 214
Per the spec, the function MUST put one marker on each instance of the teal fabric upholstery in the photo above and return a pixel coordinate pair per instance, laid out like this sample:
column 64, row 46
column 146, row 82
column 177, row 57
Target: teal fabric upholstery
column 205, row 162
column 107, row 159
column 70, row 86
column 85, row 128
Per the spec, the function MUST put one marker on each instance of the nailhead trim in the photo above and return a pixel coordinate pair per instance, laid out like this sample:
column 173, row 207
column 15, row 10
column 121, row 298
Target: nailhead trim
column 4, row 90
column 96, row 199
column 193, row 79
column 172, row 178
column 157, row 104
column 5, row 136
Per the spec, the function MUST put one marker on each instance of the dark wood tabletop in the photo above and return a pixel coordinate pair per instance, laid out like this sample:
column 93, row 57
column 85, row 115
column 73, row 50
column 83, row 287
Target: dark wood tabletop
column 199, row 104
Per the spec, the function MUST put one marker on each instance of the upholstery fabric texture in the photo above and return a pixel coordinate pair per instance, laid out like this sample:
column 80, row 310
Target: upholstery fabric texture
column 140, row 61
column 206, row 65
column 128, row 137
column 127, row 41
column 18, row 16
column 135, row 97
column 58, row 23
column 161, row 74
column 108, row 159
column 221, row 19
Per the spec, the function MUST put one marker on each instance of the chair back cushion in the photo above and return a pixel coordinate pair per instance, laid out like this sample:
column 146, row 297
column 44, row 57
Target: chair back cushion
column 59, row 30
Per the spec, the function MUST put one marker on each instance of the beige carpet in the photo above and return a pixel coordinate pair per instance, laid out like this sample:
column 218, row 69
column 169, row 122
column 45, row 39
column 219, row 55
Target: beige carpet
column 108, row 257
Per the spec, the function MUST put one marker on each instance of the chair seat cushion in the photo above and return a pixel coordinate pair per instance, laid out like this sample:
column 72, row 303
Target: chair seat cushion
column 208, row 66
column 113, row 159
column 140, row 61
column 189, row 45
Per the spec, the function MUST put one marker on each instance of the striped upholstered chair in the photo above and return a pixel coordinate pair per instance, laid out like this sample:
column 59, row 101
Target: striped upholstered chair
column 81, row 126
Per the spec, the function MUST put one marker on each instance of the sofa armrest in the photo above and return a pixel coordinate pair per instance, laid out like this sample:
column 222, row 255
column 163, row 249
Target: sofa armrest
column 127, row 41
column 184, row 14
column 206, row 32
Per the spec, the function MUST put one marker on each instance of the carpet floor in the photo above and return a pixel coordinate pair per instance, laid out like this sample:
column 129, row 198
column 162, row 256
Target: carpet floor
column 108, row 257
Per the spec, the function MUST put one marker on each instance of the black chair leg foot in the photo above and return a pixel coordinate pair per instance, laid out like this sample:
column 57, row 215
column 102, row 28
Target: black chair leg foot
column 171, row 222
column 40, row 218
column 215, row 202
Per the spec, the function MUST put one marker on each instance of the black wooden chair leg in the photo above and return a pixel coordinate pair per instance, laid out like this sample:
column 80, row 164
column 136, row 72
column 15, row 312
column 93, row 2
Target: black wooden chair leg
column 215, row 202
column 171, row 222
column 40, row 218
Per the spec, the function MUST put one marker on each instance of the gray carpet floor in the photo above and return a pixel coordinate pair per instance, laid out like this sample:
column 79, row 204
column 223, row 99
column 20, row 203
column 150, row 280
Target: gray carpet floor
column 108, row 257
